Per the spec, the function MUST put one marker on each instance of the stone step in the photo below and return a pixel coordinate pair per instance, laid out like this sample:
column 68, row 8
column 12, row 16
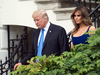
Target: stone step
column 40, row 1
column 46, row 4
column 63, row 13
column 66, row 3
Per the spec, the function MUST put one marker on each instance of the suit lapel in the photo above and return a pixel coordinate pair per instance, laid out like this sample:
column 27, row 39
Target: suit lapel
column 36, row 40
column 50, row 30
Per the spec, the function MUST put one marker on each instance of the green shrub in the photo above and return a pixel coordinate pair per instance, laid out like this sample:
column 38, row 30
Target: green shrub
column 84, row 59
column 99, row 0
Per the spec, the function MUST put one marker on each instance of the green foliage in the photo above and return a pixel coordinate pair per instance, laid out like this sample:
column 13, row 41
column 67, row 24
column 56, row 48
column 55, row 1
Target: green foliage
column 84, row 59
column 98, row 0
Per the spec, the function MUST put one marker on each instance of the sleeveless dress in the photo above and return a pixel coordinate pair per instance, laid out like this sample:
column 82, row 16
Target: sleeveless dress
column 81, row 39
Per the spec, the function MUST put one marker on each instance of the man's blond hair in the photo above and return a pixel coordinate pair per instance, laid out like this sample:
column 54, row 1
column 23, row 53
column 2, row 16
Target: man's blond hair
column 40, row 12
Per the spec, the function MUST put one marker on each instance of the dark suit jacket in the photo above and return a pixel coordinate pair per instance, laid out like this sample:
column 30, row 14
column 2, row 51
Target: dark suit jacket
column 55, row 42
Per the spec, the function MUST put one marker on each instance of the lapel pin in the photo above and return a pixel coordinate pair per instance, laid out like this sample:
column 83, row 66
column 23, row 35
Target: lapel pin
column 50, row 31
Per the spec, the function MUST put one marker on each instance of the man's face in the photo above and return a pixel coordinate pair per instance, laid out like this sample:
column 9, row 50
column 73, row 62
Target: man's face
column 40, row 22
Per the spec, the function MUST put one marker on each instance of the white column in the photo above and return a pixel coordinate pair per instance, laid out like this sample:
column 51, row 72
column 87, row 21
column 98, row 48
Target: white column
column 3, row 37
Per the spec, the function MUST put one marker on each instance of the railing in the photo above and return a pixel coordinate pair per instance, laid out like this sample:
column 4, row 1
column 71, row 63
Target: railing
column 90, row 4
column 95, row 16
column 17, row 52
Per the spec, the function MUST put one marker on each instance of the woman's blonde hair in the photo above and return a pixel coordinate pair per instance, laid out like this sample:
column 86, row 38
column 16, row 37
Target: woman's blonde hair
column 85, row 18
column 40, row 12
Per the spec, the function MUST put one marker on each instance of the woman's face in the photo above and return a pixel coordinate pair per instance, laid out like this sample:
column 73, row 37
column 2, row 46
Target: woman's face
column 77, row 17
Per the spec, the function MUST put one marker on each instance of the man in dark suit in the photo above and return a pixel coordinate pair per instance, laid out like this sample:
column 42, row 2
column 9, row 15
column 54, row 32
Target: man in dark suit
column 55, row 38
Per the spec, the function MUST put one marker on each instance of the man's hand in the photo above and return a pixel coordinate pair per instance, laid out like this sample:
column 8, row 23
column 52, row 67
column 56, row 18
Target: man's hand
column 15, row 67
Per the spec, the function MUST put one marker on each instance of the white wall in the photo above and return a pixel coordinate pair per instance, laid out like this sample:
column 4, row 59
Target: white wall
column 3, row 37
column 18, row 12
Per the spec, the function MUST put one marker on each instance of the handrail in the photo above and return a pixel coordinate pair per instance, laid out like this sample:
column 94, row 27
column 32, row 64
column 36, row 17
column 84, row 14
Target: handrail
column 22, row 42
column 14, row 53
column 94, row 11
column 78, row 3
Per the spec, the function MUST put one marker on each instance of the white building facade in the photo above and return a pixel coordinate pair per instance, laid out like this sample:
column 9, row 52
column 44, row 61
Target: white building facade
column 18, row 13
